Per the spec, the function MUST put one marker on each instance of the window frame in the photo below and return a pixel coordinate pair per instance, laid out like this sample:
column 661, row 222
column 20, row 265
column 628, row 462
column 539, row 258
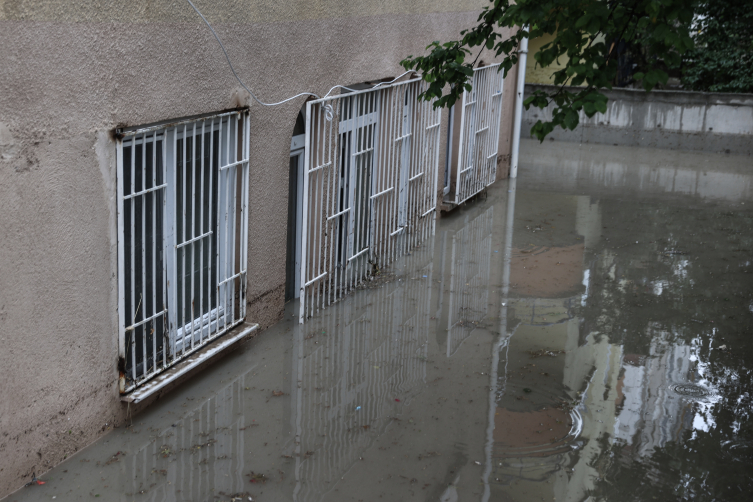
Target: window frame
column 217, row 239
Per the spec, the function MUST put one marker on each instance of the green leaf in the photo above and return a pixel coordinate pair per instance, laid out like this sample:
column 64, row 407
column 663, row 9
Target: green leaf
column 656, row 35
column 580, row 23
column 571, row 119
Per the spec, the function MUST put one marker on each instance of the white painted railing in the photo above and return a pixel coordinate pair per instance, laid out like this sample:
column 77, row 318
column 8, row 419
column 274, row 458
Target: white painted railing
column 481, row 113
column 369, row 186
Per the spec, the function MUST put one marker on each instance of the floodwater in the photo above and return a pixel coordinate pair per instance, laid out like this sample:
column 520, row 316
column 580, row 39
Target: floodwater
column 584, row 333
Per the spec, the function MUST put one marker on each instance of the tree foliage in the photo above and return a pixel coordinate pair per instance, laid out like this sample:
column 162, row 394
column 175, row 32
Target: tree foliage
column 585, row 32
column 723, row 56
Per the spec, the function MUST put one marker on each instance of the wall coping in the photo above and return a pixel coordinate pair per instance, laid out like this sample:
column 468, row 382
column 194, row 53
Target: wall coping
column 668, row 96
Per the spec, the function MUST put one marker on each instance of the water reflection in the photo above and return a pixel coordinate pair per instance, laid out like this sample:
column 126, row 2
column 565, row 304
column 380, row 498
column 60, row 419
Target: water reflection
column 549, row 343
column 469, row 278
column 356, row 367
column 645, row 342
column 570, row 167
column 201, row 453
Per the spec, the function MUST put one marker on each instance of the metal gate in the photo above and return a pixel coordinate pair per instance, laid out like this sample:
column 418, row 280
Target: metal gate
column 182, row 240
column 369, row 186
column 479, row 133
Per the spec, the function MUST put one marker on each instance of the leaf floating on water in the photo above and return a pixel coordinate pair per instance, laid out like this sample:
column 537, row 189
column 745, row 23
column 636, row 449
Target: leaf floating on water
column 258, row 478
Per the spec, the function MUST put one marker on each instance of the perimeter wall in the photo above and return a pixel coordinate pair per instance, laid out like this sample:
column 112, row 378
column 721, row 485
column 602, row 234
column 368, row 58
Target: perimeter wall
column 678, row 120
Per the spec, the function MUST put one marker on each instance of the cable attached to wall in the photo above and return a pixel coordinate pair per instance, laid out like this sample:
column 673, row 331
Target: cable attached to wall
column 328, row 108
column 233, row 69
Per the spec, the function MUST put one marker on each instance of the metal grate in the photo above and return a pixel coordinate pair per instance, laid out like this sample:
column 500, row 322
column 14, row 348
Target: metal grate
column 182, row 240
column 369, row 186
column 479, row 133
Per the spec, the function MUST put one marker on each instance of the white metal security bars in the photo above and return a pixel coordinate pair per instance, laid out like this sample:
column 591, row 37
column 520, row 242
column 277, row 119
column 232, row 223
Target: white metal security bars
column 479, row 133
column 369, row 186
column 182, row 240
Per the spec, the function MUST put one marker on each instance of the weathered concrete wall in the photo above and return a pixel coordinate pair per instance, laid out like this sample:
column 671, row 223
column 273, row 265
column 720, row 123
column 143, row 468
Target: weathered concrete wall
column 72, row 72
column 677, row 120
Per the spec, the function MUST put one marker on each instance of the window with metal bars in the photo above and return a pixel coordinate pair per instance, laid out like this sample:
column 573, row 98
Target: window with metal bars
column 478, row 141
column 182, row 239
column 369, row 186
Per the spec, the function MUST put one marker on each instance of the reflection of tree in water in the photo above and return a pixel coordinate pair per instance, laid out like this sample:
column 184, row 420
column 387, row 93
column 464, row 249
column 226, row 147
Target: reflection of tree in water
column 691, row 283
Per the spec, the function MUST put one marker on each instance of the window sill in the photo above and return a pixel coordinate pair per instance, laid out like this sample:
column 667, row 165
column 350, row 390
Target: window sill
column 187, row 365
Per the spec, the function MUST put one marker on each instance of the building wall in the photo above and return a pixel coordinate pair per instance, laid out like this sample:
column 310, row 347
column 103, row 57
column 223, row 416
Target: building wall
column 74, row 71
column 679, row 120
column 535, row 74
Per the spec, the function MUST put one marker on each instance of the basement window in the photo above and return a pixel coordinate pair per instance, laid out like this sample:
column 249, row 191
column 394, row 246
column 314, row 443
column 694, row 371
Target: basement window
column 182, row 239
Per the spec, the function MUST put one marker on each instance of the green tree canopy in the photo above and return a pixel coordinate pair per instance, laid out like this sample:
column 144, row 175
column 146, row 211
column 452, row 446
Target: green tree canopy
column 722, row 60
column 586, row 32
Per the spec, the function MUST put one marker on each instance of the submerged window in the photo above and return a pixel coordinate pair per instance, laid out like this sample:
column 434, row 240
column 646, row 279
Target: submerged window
column 182, row 243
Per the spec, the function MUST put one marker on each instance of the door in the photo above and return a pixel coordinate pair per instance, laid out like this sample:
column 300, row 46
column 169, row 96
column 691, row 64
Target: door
column 295, row 217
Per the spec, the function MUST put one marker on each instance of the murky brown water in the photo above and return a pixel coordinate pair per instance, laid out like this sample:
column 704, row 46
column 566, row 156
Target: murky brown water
column 584, row 334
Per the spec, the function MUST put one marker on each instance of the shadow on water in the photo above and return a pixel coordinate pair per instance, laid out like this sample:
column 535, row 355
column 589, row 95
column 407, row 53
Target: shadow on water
column 582, row 334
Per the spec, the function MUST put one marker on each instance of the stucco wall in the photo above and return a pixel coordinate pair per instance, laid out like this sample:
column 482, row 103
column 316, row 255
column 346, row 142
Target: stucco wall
column 679, row 120
column 71, row 73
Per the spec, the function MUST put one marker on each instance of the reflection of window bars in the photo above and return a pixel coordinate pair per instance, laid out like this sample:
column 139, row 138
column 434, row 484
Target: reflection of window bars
column 182, row 239
column 189, row 443
column 376, row 351
column 469, row 280
column 370, row 183
column 480, row 117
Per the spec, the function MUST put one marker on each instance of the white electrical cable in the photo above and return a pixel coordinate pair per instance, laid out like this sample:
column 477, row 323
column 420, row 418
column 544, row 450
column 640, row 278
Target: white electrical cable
column 233, row 69
column 327, row 107
column 370, row 88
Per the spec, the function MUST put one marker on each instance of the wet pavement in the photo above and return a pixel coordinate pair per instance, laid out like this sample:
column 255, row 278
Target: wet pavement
column 584, row 333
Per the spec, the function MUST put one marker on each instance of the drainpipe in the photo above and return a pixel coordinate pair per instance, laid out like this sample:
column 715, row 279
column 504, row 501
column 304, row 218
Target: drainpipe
column 523, row 55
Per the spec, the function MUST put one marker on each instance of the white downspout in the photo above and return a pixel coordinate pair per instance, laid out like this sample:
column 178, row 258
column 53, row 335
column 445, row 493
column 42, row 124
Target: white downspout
column 523, row 55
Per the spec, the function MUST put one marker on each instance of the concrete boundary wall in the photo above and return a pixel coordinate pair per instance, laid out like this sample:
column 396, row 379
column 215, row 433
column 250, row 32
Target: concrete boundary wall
column 679, row 120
